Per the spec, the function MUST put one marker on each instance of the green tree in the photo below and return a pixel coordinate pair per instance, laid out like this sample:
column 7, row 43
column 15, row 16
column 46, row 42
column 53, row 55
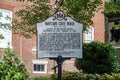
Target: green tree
column 11, row 67
column 80, row 10
column 112, row 7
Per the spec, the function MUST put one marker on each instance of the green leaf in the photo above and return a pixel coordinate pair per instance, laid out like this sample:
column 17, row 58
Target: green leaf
column 79, row 10
column 1, row 36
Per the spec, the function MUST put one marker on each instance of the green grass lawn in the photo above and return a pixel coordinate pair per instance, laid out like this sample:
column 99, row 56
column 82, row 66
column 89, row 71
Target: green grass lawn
column 41, row 78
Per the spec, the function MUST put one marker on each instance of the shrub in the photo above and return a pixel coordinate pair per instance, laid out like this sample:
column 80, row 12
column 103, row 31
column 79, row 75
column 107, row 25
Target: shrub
column 11, row 67
column 98, row 58
column 85, row 76
column 112, row 76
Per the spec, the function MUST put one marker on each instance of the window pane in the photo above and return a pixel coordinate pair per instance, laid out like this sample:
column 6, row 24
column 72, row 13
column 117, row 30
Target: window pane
column 89, row 36
column 38, row 67
column 35, row 67
column 6, row 32
column 42, row 68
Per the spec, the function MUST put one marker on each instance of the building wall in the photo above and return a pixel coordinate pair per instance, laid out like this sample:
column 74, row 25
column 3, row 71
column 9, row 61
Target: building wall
column 99, row 24
column 99, row 29
column 25, row 48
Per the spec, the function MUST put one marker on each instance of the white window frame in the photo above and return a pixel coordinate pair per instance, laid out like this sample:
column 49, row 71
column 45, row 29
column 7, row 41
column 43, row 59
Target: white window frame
column 6, row 32
column 39, row 62
column 89, row 35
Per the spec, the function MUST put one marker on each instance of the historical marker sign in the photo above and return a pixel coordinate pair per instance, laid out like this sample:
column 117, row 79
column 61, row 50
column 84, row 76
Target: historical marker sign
column 59, row 35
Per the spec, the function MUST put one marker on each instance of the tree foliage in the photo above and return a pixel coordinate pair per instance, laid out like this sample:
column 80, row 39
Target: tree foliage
column 112, row 25
column 39, row 10
column 81, row 10
column 11, row 67
column 112, row 7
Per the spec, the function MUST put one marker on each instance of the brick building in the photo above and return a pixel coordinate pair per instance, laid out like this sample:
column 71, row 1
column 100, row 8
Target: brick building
column 26, row 48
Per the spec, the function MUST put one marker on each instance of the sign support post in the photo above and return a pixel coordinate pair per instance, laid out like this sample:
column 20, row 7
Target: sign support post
column 59, row 61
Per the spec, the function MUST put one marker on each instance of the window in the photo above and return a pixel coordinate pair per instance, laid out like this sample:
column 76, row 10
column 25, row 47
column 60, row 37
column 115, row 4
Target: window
column 113, row 34
column 7, row 33
column 39, row 66
column 89, row 35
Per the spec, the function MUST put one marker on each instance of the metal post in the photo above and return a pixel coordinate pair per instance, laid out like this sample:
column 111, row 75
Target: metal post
column 59, row 62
